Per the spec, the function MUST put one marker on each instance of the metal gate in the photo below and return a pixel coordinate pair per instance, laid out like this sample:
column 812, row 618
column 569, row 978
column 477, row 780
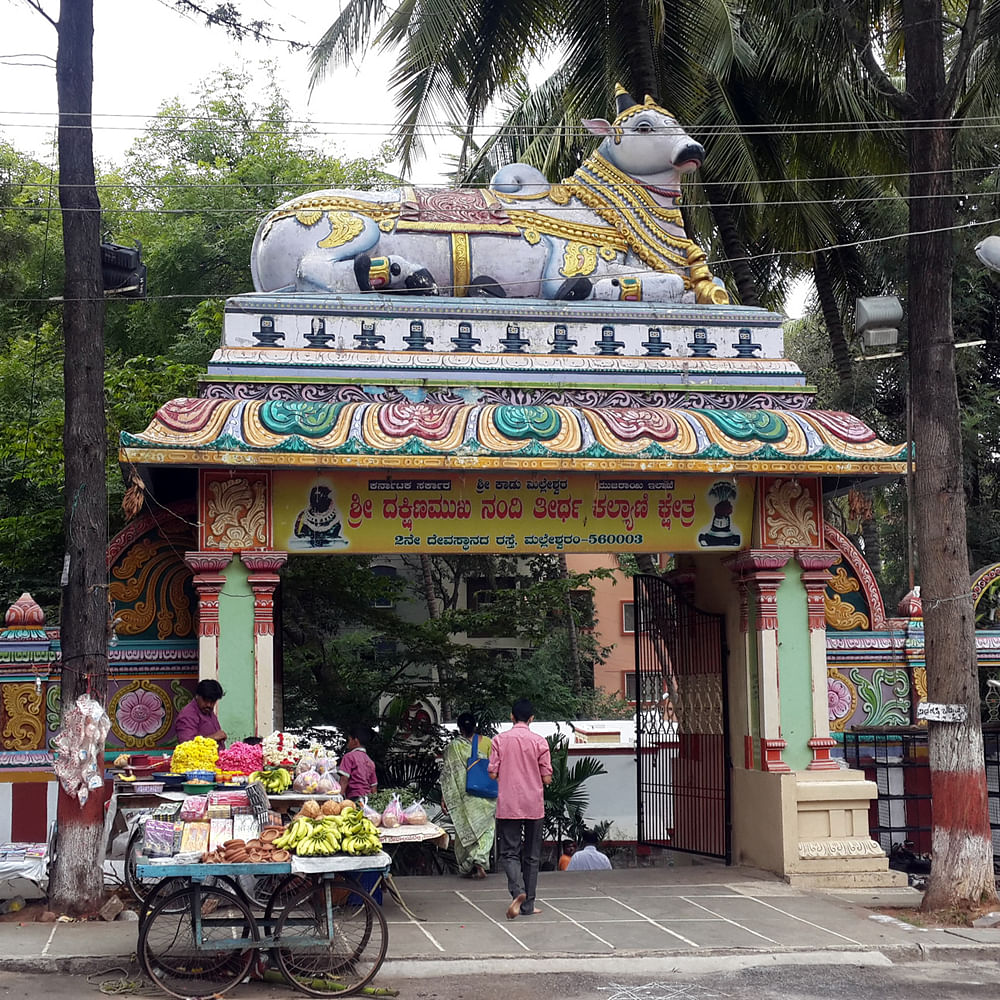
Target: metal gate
column 682, row 722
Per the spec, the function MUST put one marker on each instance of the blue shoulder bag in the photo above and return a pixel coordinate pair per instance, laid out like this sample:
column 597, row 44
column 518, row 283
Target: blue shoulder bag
column 477, row 778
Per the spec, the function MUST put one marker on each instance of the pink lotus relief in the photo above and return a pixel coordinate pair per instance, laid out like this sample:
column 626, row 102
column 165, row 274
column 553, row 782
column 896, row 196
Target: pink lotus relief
column 838, row 698
column 140, row 713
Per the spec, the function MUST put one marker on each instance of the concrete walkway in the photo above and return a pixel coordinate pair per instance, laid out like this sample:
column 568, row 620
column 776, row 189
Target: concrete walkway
column 633, row 920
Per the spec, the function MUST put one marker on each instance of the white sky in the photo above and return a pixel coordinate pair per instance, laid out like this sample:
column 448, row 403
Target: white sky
column 145, row 52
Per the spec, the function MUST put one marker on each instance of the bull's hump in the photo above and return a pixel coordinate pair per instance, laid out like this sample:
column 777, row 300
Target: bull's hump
column 341, row 198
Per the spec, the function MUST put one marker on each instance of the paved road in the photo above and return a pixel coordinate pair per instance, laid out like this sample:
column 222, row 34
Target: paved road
column 917, row 981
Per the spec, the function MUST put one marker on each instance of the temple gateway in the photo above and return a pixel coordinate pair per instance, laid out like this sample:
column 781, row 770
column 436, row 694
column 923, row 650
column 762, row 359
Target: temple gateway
column 402, row 398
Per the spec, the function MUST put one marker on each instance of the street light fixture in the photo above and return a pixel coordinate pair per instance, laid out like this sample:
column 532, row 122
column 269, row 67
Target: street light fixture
column 877, row 319
column 988, row 252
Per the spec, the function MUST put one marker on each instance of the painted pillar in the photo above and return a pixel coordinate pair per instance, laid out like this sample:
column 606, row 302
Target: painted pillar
column 759, row 574
column 816, row 565
column 263, row 580
column 208, row 582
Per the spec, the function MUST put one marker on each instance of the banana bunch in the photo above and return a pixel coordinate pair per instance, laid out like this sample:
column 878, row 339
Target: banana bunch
column 349, row 833
column 275, row 780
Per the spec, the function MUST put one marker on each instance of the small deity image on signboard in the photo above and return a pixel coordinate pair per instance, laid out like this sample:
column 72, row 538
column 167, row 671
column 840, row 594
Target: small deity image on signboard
column 319, row 524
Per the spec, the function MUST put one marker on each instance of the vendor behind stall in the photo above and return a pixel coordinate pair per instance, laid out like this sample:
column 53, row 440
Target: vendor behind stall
column 198, row 718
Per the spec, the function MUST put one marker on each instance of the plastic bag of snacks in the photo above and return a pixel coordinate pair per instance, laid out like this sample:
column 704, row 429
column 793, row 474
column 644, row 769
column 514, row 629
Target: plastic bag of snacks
column 306, row 782
column 328, row 784
column 392, row 815
column 306, row 763
column 416, row 814
column 372, row 815
column 326, row 765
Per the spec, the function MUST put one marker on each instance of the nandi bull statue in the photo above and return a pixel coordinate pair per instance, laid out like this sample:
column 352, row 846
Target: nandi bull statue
column 611, row 231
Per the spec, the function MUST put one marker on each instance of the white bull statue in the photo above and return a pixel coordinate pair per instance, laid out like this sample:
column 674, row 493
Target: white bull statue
column 611, row 231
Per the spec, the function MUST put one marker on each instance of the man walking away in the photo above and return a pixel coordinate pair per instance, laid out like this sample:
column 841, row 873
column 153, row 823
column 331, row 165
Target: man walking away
column 590, row 858
column 521, row 763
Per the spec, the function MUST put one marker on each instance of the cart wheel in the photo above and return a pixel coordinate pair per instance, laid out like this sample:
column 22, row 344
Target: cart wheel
column 182, row 942
column 331, row 939
column 275, row 892
column 139, row 887
column 159, row 891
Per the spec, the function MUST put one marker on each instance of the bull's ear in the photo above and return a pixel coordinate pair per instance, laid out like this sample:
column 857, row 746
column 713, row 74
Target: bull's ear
column 598, row 126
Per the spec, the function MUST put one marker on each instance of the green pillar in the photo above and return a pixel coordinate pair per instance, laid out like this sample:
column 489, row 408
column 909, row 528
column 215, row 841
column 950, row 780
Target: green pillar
column 236, row 652
column 795, row 675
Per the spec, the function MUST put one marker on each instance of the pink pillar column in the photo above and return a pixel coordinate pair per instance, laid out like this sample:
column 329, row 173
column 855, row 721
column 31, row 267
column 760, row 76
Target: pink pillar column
column 208, row 582
column 816, row 565
column 759, row 574
column 263, row 580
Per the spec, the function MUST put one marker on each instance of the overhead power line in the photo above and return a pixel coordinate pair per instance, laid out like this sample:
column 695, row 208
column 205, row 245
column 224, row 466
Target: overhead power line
column 716, row 262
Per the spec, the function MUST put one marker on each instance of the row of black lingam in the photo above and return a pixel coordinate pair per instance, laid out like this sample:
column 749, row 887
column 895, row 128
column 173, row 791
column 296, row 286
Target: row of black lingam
column 512, row 343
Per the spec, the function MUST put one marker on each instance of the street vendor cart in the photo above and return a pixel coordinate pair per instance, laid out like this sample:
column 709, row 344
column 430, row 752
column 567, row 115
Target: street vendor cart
column 324, row 933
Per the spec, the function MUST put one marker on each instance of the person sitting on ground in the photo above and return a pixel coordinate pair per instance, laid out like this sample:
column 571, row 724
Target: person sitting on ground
column 590, row 858
column 198, row 718
column 564, row 859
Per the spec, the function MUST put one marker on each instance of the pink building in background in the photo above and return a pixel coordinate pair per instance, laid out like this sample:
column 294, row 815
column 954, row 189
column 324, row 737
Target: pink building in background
column 614, row 623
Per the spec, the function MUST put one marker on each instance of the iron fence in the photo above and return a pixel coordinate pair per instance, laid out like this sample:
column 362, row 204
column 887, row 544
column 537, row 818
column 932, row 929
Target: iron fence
column 901, row 818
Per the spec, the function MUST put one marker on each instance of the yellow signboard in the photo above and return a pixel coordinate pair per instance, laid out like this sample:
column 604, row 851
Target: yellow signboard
column 358, row 512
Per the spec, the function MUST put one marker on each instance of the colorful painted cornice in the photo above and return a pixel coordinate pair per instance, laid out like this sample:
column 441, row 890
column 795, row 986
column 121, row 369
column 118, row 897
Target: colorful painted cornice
column 283, row 433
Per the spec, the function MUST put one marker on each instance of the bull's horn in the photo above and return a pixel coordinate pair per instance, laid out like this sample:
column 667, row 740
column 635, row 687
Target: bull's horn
column 623, row 99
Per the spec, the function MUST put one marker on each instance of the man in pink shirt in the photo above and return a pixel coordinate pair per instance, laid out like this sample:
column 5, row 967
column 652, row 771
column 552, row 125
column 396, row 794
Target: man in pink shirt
column 522, row 765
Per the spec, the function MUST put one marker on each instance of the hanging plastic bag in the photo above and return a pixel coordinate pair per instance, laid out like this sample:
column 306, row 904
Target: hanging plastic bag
column 415, row 814
column 392, row 815
column 372, row 815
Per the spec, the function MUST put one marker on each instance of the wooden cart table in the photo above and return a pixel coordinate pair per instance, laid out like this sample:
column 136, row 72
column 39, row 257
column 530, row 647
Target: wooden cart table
column 322, row 930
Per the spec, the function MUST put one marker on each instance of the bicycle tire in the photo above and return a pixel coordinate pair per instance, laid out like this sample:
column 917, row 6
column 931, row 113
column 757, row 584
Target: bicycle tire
column 169, row 949
column 330, row 939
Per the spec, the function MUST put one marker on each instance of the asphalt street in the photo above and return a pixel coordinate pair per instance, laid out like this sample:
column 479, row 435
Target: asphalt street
column 787, row 981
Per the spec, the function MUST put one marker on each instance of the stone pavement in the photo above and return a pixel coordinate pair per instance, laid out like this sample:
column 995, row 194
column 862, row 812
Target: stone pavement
column 625, row 920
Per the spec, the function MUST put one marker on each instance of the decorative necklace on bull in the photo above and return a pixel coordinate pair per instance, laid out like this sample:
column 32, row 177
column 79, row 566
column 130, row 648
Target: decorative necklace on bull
column 654, row 232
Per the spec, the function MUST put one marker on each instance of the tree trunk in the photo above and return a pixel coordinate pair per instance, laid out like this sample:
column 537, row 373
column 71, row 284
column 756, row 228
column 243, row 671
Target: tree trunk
column 962, row 865
column 77, row 881
column 834, row 322
column 719, row 197
column 638, row 41
column 433, row 606
column 572, row 638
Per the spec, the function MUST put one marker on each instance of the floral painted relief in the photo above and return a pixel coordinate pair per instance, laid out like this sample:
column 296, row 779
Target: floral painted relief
column 842, row 699
column 141, row 713
column 791, row 517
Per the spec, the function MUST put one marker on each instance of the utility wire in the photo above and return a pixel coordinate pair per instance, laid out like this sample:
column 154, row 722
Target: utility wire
column 814, row 127
column 688, row 183
column 718, row 262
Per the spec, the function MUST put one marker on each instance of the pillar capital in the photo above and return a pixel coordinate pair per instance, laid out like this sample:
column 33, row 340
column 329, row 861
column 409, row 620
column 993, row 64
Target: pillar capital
column 208, row 564
column 816, row 565
column 263, row 564
column 762, row 572
column 263, row 578
column 208, row 582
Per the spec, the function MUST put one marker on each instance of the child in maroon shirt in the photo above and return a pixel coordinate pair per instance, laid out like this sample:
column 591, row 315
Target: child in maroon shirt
column 356, row 768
